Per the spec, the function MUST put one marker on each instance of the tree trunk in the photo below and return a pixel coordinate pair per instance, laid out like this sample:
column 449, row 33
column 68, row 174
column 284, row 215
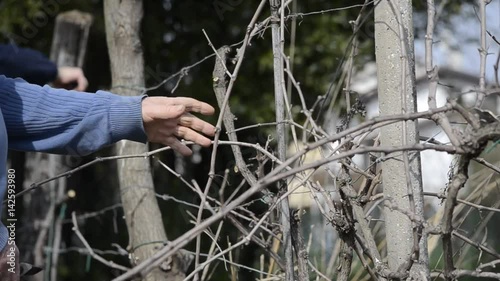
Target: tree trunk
column 402, row 179
column 142, row 214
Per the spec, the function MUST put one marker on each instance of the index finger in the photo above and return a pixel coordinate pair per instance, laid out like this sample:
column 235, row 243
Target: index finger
column 194, row 105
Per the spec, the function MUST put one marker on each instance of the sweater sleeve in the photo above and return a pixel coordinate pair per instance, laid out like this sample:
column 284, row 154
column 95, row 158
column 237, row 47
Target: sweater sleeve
column 28, row 64
column 67, row 122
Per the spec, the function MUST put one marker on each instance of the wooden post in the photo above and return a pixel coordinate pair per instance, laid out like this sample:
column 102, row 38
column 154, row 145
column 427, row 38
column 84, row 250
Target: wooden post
column 68, row 49
column 401, row 174
column 71, row 34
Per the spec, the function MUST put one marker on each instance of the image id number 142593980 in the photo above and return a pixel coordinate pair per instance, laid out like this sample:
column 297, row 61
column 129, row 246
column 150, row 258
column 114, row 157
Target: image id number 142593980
column 11, row 219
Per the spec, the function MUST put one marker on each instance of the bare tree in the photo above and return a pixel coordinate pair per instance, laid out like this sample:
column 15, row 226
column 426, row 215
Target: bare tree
column 144, row 221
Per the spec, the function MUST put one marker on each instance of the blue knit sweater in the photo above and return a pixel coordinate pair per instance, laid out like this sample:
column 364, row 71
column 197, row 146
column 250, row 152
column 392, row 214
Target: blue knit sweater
column 35, row 118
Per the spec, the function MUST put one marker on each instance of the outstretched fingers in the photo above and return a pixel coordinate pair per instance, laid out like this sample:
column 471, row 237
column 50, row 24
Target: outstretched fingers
column 178, row 146
column 190, row 135
column 195, row 123
column 167, row 119
column 155, row 112
column 193, row 105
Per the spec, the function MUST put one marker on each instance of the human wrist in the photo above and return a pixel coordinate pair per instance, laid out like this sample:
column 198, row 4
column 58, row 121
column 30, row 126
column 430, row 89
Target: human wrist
column 126, row 120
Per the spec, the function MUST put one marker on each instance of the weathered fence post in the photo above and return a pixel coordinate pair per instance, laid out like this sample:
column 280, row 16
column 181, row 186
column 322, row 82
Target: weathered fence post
column 68, row 49
column 401, row 174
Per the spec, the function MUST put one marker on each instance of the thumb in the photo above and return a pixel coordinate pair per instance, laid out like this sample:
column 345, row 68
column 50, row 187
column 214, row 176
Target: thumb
column 82, row 83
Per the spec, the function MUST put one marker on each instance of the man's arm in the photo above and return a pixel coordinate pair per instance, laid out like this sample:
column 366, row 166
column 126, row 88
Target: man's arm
column 28, row 64
column 69, row 122
column 36, row 68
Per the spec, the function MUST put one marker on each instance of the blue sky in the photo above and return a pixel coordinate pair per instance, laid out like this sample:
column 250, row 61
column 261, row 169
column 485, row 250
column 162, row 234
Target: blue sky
column 459, row 47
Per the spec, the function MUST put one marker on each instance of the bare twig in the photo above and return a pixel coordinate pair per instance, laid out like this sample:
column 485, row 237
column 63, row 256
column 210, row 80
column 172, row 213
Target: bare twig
column 483, row 52
column 457, row 182
column 354, row 51
column 432, row 74
column 110, row 264
column 277, row 21
column 300, row 249
column 219, row 85
column 479, row 246
column 234, row 75
column 487, row 164
column 465, row 202
column 328, row 10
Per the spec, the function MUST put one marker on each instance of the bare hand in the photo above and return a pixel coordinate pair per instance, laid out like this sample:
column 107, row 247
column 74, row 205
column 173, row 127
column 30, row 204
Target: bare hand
column 71, row 78
column 167, row 119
